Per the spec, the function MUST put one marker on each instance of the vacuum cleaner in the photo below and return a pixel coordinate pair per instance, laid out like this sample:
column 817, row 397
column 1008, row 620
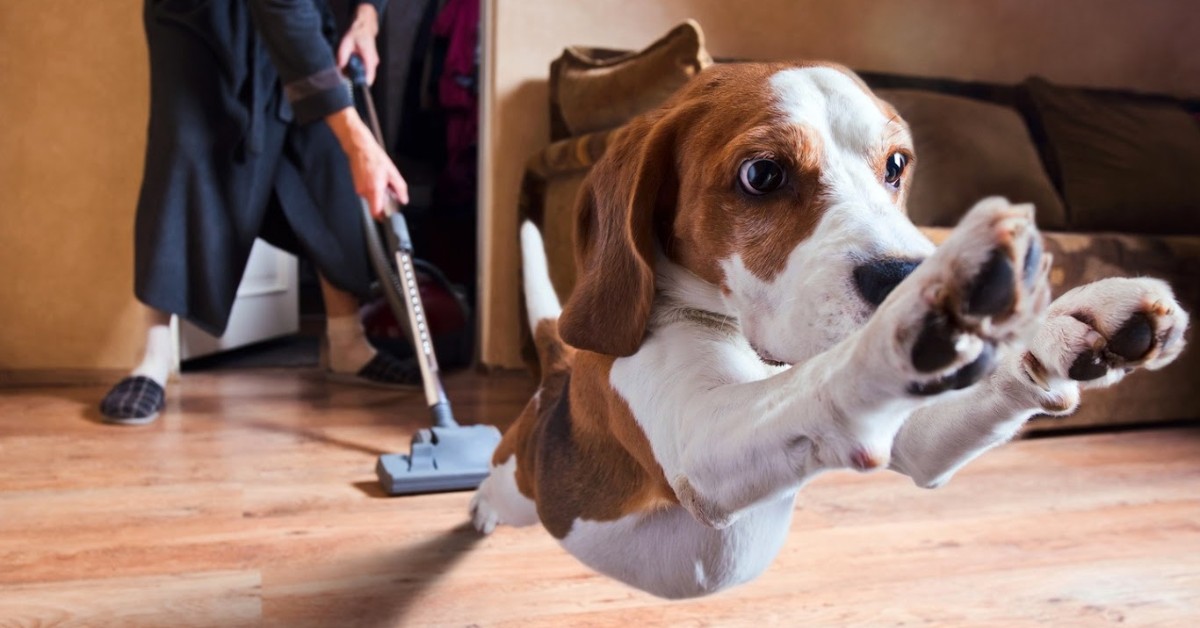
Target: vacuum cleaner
column 446, row 456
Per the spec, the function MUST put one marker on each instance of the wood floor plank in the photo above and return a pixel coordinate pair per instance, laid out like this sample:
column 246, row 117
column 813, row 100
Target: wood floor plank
column 194, row 599
column 253, row 502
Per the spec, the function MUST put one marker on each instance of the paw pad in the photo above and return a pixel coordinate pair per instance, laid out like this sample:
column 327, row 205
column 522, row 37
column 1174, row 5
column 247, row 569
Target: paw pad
column 1130, row 343
column 967, row 375
column 1088, row 365
column 1134, row 339
column 985, row 287
column 1098, row 332
column 993, row 290
column 936, row 346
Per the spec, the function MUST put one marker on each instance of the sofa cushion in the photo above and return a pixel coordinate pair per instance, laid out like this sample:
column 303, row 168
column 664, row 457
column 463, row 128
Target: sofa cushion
column 593, row 89
column 1121, row 164
column 967, row 150
column 549, row 188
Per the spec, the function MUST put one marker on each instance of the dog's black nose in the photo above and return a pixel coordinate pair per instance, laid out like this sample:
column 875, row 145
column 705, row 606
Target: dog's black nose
column 876, row 278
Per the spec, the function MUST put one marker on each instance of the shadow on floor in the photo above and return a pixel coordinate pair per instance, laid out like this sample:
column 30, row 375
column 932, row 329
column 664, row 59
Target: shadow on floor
column 381, row 590
column 314, row 436
column 294, row 351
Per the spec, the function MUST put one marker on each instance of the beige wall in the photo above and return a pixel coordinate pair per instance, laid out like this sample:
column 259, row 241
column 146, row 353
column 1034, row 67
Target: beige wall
column 73, row 99
column 73, row 96
column 1147, row 44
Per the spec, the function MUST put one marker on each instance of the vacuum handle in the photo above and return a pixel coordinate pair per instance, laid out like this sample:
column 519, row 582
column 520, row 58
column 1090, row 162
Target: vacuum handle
column 356, row 71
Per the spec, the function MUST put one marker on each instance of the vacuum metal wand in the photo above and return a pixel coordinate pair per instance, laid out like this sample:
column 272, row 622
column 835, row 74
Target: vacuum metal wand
column 408, row 291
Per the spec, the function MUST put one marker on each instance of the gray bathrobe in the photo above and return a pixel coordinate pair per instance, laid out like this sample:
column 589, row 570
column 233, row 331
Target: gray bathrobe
column 236, row 150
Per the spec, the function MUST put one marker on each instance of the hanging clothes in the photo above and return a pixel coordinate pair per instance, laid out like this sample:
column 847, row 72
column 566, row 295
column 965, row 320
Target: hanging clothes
column 458, row 95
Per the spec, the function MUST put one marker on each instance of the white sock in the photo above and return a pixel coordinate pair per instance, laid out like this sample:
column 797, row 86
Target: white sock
column 159, row 355
column 349, row 350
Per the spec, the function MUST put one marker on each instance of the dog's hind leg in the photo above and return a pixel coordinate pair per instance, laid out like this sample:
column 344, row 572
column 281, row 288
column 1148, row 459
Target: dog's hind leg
column 498, row 500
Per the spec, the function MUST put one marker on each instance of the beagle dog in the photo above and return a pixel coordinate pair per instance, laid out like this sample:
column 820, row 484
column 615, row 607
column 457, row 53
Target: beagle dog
column 754, row 308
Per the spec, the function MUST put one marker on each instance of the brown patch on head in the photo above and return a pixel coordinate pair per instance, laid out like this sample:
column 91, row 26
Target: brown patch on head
column 670, row 179
column 716, row 218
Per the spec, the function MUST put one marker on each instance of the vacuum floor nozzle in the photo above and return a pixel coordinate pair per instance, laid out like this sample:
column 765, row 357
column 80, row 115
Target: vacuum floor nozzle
column 442, row 459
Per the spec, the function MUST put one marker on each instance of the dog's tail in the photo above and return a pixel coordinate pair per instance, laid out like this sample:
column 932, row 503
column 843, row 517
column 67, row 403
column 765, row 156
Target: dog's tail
column 541, row 302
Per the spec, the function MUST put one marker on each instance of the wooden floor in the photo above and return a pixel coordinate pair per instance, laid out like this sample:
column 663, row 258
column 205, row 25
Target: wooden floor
column 252, row 502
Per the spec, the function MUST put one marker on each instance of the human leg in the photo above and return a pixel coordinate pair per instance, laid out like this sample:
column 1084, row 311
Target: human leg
column 347, row 351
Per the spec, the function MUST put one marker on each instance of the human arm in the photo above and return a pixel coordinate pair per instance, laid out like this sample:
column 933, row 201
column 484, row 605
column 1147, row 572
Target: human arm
column 291, row 31
column 374, row 173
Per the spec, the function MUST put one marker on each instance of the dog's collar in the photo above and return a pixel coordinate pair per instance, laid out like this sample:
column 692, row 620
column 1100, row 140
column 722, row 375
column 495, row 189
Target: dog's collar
column 704, row 318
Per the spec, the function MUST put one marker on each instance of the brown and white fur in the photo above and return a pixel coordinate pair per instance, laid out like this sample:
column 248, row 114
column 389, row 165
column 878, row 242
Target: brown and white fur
column 720, row 348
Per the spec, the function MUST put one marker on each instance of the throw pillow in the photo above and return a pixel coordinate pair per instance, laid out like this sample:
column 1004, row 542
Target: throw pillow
column 967, row 150
column 1121, row 163
column 595, row 90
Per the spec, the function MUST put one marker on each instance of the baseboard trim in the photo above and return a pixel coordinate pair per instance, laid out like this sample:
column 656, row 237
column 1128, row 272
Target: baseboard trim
column 59, row 377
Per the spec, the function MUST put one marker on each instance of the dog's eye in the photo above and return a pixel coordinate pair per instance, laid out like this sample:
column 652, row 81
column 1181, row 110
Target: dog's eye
column 895, row 168
column 760, row 176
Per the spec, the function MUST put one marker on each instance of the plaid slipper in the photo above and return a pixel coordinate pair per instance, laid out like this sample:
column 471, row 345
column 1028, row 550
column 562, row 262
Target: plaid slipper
column 135, row 400
column 385, row 371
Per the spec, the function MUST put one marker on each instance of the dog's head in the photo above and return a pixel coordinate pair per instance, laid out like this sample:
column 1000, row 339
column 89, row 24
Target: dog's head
column 784, row 186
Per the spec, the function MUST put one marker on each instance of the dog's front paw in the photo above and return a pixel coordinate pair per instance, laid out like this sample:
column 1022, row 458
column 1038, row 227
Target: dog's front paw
column 985, row 286
column 1097, row 333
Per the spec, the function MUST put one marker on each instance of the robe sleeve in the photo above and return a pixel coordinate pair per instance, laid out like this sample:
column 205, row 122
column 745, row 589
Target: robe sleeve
column 379, row 5
column 291, row 31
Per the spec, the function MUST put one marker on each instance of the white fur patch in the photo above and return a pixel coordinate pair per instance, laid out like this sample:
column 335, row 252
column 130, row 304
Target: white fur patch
column 670, row 554
column 498, row 500
column 541, row 302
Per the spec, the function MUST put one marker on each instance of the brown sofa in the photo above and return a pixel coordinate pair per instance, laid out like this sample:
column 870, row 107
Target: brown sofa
column 1112, row 176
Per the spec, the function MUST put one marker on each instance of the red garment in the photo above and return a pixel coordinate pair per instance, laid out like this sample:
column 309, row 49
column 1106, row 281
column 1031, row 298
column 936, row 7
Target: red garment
column 458, row 22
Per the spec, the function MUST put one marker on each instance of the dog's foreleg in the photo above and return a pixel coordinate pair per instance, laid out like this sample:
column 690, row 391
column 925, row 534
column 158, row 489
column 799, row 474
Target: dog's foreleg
column 741, row 444
column 1092, row 337
column 726, row 446
column 939, row 439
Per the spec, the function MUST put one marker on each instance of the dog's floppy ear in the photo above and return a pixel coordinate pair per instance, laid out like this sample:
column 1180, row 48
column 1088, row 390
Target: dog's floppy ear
column 631, row 189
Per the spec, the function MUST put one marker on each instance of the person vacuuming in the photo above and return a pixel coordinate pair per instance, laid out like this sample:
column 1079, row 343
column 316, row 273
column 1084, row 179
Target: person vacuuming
column 252, row 133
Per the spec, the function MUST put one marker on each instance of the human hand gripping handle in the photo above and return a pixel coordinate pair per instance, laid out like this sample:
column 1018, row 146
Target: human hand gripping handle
column 359, row 41
column 376, row 178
